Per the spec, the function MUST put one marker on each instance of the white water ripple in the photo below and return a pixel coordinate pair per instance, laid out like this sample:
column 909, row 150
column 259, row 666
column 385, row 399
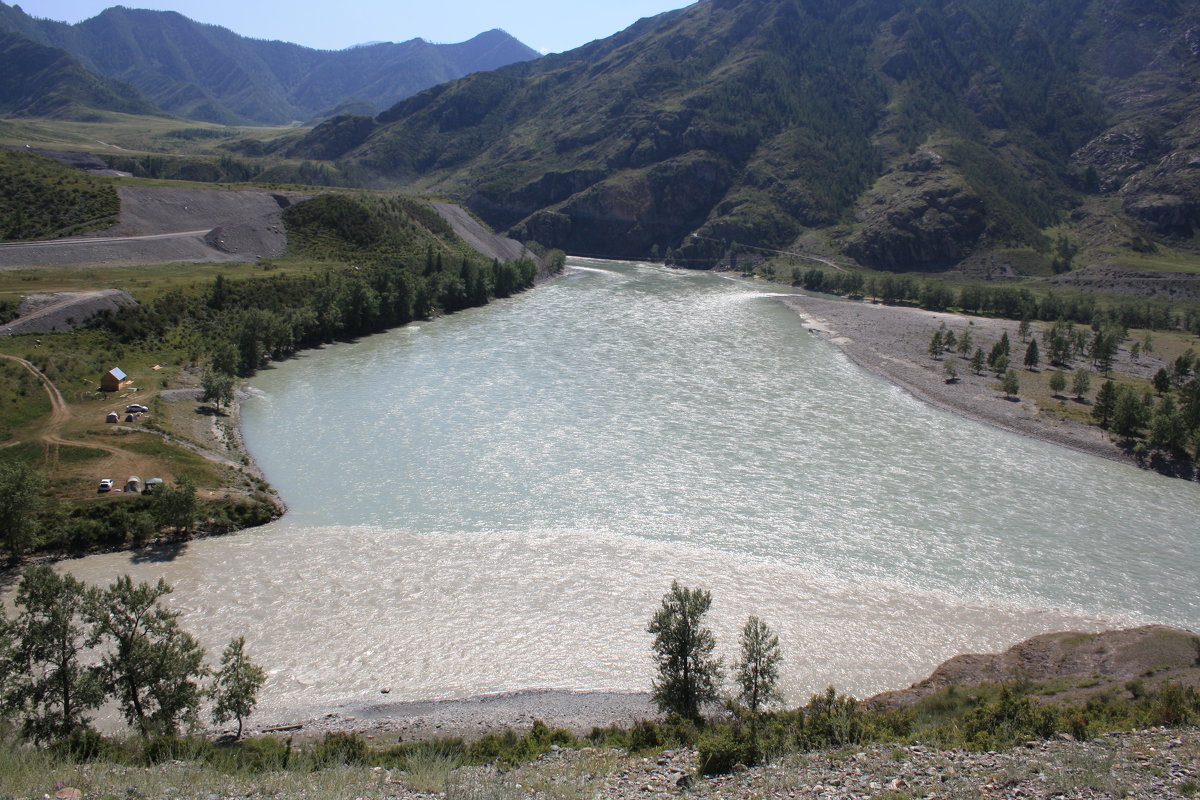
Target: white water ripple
column 498, row 501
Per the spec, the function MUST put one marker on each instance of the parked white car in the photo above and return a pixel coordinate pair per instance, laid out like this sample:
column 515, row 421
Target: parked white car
column 106, row 485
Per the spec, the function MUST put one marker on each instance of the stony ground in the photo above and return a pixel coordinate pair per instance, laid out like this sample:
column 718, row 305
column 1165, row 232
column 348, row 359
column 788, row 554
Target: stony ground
column 893, row 341
column 1157, row 764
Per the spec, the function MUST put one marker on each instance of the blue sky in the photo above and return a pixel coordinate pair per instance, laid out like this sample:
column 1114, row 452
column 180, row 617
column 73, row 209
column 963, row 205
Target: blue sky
column 542, row 24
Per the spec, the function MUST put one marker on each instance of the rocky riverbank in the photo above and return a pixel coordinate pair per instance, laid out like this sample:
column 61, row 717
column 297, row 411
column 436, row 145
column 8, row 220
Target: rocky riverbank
column 1155, row 764
column 893, row 341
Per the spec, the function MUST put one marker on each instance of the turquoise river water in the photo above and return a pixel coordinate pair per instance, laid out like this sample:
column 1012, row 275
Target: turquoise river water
column 497, row 500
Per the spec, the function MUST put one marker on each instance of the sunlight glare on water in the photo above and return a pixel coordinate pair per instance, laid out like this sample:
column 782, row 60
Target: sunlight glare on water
column 496, row 500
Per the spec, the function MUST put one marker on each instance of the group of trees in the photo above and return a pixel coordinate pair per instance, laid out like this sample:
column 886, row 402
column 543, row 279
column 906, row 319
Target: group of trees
column 690, row 675
column 70, row 647
column 391, row 261
column 30, row 521
column 1168, row 416
column 1008, row 302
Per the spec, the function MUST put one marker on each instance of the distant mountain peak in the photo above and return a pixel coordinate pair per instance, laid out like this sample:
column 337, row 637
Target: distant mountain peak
column 210, row 73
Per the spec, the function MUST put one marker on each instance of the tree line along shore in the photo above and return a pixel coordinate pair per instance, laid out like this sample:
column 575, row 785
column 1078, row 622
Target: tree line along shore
column 1089, row 690
column 357, row 264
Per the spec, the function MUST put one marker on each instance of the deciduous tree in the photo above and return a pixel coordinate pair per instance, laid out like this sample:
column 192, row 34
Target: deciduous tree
column 21, row 498
column 153, row 666
column 1081, row 382
column 688, row 674
column 236, row 685
column 757, row 670
column 42, row 670
column 1058, row 382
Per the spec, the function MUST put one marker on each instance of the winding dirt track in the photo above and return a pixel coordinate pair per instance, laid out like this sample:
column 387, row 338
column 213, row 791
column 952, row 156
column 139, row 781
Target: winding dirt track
column 58, row 418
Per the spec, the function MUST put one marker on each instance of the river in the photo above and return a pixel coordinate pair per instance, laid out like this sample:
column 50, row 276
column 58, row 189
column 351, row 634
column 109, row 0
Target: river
column 497, row 500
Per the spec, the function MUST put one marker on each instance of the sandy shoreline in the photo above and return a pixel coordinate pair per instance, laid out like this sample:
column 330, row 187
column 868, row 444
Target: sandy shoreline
column 892, row 341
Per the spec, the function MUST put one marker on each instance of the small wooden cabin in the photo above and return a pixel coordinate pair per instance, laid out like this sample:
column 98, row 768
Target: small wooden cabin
column 114, row 380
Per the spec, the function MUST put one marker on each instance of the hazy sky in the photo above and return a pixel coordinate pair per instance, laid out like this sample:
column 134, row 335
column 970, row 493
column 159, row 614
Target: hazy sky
column 546, row 25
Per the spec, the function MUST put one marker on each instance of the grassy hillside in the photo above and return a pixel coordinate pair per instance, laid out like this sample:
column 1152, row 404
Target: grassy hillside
column 357, row 264
column 42, row 199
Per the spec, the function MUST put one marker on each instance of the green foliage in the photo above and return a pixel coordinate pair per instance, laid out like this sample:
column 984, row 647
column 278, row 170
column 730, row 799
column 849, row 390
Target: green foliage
column 689, row 676
column 1058, row 382
column 176, row 506
column 1105, row 404
column 722, row 748
column 152, row 665
column 43, row 672
column 757, row 670
column 21, row 500
column 339, row 748
column 42, row 199
column 1081, row 382
column 217, row 386
column 1010, row 384
column 392, row 260
column 235, row 685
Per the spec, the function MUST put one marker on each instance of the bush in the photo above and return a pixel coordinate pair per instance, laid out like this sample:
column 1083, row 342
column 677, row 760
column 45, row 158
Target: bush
column 84, row 744
column 340, row 748
column 724, row 748
column 174, row 748
column 265, row 754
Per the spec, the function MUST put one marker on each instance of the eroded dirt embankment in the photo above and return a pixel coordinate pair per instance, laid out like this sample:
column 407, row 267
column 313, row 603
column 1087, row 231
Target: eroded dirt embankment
column 172, row 224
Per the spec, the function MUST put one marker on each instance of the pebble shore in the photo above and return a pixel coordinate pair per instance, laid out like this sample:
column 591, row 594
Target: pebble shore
column 1156, row 764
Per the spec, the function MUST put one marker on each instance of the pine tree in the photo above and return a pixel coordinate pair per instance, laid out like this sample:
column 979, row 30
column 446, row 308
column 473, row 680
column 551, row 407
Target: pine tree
column 977, row 361
column 1032, row 358
column 1010, row 384
column 965, row 342
column 1106, row 399
column 688, row 674
column 937, row 344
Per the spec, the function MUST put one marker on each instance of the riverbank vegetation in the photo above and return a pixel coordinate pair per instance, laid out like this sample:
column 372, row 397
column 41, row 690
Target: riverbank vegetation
column 1131, row 365
column 51, row 687
column 356, row 265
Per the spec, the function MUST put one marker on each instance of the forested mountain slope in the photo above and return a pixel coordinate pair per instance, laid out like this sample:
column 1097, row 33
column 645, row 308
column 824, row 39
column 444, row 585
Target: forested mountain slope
column 907, row 134
column 41, row 81
column 209, row 73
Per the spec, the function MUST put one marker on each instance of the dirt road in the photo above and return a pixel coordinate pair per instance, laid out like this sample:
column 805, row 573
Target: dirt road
column 171, row 224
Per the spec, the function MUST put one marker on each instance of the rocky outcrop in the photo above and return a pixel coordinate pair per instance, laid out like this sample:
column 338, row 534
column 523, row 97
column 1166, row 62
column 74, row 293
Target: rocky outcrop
column 629, row 213
column 920, row 216
column 1103, row 659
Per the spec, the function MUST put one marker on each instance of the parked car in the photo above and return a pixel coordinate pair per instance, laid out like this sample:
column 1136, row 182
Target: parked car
column 137, row 408
column 106, row 485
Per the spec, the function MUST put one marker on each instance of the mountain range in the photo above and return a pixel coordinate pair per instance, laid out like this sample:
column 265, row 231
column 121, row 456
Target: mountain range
column 163, row 60
column 902, row 134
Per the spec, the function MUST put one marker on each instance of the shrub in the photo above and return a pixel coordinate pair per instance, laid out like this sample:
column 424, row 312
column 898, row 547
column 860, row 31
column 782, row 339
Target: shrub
column 723, row 748
column 84, row 744
column 340, row 748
